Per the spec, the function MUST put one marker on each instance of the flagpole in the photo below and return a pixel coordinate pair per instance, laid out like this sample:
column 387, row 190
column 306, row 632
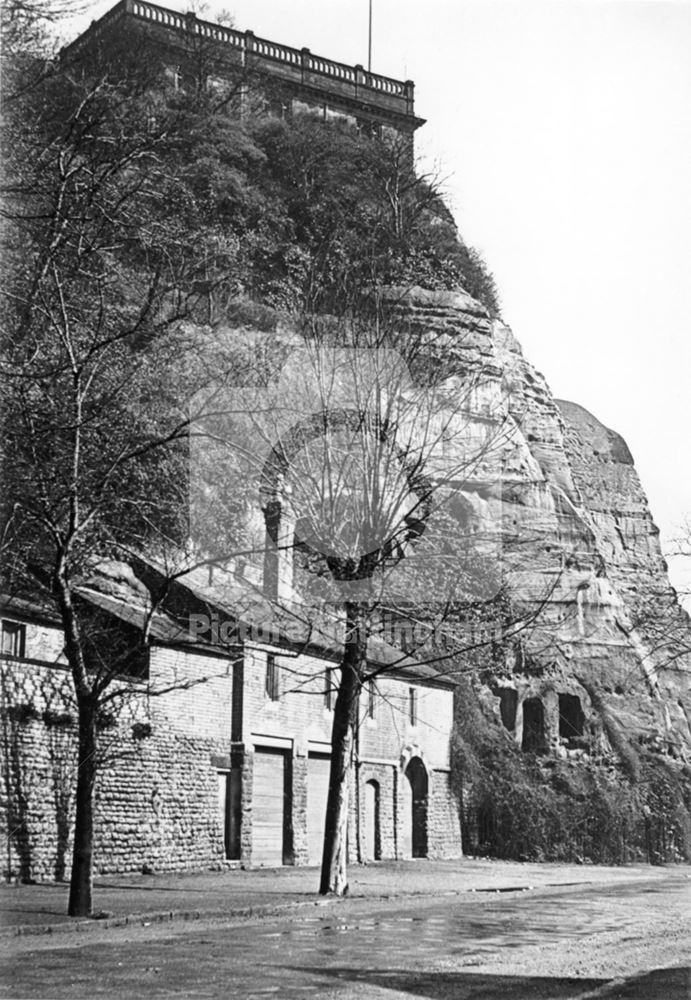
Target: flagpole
column 369, row 44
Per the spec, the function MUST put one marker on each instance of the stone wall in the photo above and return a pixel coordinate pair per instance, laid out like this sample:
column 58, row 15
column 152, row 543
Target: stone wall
column 444, row 825
column 158, row 790
column 386, row 777
column 38, row 750
column 174, row 789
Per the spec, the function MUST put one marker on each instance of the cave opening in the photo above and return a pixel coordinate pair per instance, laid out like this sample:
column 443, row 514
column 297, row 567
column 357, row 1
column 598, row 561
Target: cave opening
column 571, row 716
column 533, row 726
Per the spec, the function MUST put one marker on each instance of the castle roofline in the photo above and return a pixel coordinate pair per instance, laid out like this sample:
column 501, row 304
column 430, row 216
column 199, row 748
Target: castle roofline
column 379, row 97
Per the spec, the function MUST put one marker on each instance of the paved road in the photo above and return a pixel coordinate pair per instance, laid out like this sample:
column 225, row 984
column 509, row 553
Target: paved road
column 629, row 941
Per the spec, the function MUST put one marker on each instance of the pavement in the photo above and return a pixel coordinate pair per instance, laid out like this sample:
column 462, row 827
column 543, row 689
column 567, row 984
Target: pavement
column 231, row 894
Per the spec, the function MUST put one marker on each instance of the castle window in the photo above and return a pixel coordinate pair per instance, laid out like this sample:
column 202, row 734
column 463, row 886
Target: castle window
column 13, row 638
column 272, row 678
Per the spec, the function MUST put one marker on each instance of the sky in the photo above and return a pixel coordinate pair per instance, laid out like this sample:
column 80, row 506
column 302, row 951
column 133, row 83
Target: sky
column 562, row 132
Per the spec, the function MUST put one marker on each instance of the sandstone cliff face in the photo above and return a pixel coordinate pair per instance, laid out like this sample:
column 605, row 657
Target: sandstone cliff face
column 559, row 512
column 578, row 540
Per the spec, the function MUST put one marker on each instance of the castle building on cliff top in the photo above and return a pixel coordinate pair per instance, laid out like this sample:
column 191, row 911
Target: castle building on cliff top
column 289, row 80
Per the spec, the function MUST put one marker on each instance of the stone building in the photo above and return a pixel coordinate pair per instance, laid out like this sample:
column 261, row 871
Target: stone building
column 218, row 752
column 196, row 52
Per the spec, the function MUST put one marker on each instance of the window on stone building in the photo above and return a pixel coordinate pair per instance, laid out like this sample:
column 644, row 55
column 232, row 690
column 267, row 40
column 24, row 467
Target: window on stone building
column 272, row 678
column 13, row 638
column 329, row 690
column 371, row 699
column 412, row 706
column 571, row 717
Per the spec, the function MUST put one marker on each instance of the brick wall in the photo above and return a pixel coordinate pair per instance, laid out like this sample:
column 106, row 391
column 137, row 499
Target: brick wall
column 300, row 720
column 387, row 735
column 300, row 713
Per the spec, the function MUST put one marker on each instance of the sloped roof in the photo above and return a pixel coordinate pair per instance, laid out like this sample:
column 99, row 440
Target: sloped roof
column 35, row 607
column 162, row 627
column 287, row 625
column 238, row 601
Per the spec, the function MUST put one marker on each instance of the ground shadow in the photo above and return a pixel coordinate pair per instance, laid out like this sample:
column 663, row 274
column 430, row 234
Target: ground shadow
column 467, row 985
column 672, row 984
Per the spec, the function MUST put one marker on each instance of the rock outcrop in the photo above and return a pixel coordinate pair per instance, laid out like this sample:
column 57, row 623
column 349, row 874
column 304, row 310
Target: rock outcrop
column 577, row 539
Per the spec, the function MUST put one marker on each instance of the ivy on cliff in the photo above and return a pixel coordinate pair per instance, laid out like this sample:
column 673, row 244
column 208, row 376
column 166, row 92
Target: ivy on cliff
column 521, row 806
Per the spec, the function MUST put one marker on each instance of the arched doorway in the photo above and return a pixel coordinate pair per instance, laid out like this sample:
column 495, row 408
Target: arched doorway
column 414, row 813
column 372, row 837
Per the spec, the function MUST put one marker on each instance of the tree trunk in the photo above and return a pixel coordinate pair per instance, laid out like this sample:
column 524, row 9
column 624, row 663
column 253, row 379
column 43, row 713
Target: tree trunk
column 82, row 855
column 333, row 871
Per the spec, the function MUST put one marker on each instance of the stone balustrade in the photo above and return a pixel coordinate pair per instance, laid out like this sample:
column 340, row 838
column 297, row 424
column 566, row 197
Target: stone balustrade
column 264, row 56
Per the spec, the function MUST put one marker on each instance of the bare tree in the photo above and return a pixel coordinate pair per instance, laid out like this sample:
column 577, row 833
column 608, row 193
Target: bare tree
column 26, row 24
column 98, row 274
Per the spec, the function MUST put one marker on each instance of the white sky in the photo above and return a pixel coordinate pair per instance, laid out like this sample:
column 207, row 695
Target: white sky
column 564, row 131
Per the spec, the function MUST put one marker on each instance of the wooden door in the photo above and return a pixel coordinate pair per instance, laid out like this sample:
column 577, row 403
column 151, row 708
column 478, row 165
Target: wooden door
column 268, row 807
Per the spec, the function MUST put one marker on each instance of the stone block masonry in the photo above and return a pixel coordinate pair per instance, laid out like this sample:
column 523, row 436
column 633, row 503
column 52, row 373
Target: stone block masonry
column 188, row 760
column 288, row 77
column 159, row 802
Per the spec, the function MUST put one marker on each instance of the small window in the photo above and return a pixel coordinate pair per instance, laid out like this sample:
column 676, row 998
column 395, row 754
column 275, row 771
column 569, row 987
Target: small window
column 412, row 706
column 13, row 638
column 329, row 689
column 371, row 699
column 272, row 678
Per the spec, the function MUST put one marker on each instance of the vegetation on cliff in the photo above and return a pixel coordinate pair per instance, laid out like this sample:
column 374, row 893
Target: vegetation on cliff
column 629, row 805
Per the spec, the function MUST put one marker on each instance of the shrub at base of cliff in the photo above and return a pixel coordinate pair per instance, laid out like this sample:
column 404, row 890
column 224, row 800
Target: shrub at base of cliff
column 534, row 808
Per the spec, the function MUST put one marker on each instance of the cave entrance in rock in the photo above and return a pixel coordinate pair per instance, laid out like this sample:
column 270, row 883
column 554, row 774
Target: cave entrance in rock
column 508, row 703
column 571, row 716
column 533, row 725
column 417, row 793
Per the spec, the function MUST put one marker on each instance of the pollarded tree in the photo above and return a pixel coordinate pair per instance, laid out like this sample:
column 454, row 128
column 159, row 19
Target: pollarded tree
column 377, row 457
